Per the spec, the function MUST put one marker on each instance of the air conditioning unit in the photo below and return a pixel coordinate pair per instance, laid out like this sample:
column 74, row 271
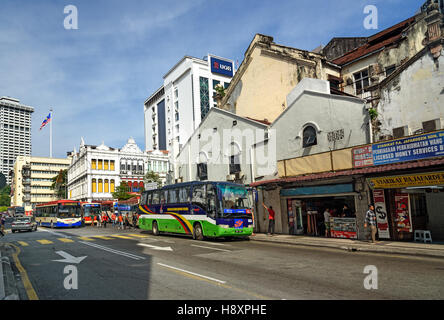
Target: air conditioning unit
column 231, row 177
column 401, row 132
column 432, row 125
column 239, row 175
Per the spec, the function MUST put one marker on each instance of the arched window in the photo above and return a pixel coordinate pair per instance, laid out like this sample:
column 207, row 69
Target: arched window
column 93, row 164
column 113, row 184
column 309, row 137
column 106, row 185
column 130, row 185
column 94, row 185
column 100, row 186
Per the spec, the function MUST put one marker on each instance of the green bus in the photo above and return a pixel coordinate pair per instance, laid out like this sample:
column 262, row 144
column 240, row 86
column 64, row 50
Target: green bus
column 201, row 209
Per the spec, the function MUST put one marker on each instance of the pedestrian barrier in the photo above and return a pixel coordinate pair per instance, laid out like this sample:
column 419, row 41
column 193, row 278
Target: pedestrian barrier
column 423, row 236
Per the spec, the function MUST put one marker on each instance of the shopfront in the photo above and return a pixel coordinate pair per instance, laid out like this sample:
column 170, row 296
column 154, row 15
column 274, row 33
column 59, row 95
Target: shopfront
column 405, row 203
column 306, row 206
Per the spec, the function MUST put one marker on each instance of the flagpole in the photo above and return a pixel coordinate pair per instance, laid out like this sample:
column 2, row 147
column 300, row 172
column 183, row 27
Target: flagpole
column 50, row 134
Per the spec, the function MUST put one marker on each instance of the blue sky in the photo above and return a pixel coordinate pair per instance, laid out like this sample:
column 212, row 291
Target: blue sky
column 97, row 77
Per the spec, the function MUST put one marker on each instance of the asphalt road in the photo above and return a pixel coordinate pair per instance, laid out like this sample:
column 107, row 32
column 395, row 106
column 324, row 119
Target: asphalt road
column 135, row 265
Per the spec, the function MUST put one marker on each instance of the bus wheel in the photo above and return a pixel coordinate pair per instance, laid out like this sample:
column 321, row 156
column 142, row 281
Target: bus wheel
column 197, row 232
column 155, row 229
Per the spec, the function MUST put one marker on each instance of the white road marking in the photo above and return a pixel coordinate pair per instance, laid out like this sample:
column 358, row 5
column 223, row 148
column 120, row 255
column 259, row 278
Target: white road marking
column 155, row 247
column 192, row 273
column 211, row 248
column 211, row 243
column 55, row 233
column 69, row 258
column 125, row 254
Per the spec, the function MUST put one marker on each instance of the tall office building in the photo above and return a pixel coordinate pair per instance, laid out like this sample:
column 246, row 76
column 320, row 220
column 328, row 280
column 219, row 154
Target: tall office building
column 175, row 110
column 15, row 133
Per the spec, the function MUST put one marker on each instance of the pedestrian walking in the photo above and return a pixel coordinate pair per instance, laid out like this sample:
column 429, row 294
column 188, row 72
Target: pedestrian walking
column 135, row 220
column 120, row 221
column 327, row 222
column 2, row 225
column 271, row 215
column 105, row 219
column 114, row 219
column 99, row 219
column 370, row 221
column 127, row 224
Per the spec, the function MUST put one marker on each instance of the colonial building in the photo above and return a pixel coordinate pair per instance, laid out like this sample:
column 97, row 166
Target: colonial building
column 32, row 179
column 96, row 171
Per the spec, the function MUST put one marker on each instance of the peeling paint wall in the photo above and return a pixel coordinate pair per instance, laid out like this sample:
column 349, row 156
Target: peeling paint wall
column 416, row 95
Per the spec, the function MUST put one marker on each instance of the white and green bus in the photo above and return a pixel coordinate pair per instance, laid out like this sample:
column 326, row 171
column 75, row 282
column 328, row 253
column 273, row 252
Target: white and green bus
column 201, row 209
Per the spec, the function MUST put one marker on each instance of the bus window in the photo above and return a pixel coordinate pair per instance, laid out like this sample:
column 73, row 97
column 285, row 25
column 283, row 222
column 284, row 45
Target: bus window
column 172, row 196
column 163, row 196
column 199, row 196
column 211, row 201
column 144, row 197
column 184, row 195
column 155, row 197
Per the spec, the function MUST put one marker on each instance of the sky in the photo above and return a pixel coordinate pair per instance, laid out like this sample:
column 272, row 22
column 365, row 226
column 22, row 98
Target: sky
column 97, row 77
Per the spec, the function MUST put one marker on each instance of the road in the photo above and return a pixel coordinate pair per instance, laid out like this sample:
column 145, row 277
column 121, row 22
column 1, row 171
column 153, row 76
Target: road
column 135, row 265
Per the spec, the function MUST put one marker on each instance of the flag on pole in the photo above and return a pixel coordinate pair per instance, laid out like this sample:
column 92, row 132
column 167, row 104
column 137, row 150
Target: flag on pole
column 46, row 121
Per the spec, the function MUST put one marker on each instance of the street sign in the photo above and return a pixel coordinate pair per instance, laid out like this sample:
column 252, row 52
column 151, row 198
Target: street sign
column 151, row 186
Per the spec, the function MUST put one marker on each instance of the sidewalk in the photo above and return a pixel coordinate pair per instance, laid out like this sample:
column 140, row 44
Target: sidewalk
column 389, row 247
column 8, row 286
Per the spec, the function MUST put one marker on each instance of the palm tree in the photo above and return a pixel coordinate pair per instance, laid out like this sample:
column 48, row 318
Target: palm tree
column 59, row 184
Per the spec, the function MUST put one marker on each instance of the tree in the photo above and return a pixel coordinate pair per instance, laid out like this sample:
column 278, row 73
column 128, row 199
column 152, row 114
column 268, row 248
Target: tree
column 59, row 184
column 121, row 192
column 153, row 177
column 5, row 197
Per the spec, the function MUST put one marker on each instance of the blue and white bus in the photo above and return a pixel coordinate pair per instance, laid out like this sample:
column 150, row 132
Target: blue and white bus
column 59, row 214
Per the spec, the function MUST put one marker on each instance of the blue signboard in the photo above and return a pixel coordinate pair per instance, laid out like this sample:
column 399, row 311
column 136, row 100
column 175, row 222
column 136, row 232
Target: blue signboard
column 407, row 149
column 330, row 189
column 221, row 67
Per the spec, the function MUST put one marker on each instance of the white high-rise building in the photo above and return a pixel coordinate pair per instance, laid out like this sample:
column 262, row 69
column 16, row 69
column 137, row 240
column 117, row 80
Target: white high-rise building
column 15, row 133
column 175, row 110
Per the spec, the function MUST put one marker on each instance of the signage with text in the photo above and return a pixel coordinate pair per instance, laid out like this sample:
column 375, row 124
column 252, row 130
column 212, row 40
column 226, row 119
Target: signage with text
column 381, row 214
column 222, row 67
column 412, row 180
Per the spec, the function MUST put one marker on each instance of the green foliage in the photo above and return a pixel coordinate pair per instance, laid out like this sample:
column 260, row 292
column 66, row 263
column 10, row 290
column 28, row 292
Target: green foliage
column 153, row 177
column 59, row 184
column 121, row 192
column 373, row 113
column 3, row 209
column 5, row 197
column 220, row 90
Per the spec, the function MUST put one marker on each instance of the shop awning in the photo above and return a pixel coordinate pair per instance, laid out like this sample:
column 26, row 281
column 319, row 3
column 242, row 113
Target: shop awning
column 360, row 171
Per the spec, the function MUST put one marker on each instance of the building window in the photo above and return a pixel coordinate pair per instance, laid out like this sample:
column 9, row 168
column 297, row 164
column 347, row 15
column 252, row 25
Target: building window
column 106, row 165
column 362, row 81
column 106, row 185
column 176, row 93
column 177, row 116
column 93, row 164
column 234, row 164
column 204, row 97
column 113, row 183
column 94, row 186
column 100, row 186
column 215, row 83
column 100, row 165
column 389, row 70
column 112, row 165
column 202, row 171
column 309, row 137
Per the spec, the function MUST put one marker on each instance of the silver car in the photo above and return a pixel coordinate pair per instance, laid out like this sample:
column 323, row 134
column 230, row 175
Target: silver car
column 24, row 224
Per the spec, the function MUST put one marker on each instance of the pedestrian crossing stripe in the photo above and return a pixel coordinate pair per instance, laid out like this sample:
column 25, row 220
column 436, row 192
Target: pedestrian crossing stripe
column 103, row 237
column 122, row 237
column 65, row 240
column 23, row 243
column 137, row 235
column 86, row 239
column 44, row 241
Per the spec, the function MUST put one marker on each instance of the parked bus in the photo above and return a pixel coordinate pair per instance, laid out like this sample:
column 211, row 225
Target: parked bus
column 16, row 211
column 128, row 208
column 59, row 214
column 90, row 211
column 200, row 209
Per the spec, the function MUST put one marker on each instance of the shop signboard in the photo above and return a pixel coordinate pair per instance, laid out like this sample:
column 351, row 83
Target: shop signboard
column 381, row 214
column 221, row 67
column 343, row 228
column 403, row 217
column 411, row 180
column 408, row 149
column 362, row 157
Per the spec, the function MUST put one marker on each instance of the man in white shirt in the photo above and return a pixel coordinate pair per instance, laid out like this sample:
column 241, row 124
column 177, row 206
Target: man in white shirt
column 327, row 221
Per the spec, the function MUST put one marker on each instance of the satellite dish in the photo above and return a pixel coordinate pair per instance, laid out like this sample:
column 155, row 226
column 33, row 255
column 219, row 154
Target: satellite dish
column 2, row 181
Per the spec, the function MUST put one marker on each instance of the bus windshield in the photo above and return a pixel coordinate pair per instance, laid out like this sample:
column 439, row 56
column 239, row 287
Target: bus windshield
column 91, row 211
column 234, row 197
column 69, row 211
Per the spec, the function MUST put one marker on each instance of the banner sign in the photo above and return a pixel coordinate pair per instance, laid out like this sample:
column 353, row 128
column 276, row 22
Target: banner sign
column 362, row 157
column 222, row 67
column 381, row 214
column 407, row 149
column 343, row 228
column 403, row 218
column 412, row 180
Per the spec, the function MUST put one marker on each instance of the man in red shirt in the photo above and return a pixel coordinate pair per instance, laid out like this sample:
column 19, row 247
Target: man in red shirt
column 270, row 219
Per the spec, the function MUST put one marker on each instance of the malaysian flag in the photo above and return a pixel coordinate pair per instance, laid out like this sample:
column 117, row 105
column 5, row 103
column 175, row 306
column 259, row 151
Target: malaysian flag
column 46, row 121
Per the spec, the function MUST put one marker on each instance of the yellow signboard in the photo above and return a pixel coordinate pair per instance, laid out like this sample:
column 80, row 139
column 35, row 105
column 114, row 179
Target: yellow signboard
column 413, row 180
